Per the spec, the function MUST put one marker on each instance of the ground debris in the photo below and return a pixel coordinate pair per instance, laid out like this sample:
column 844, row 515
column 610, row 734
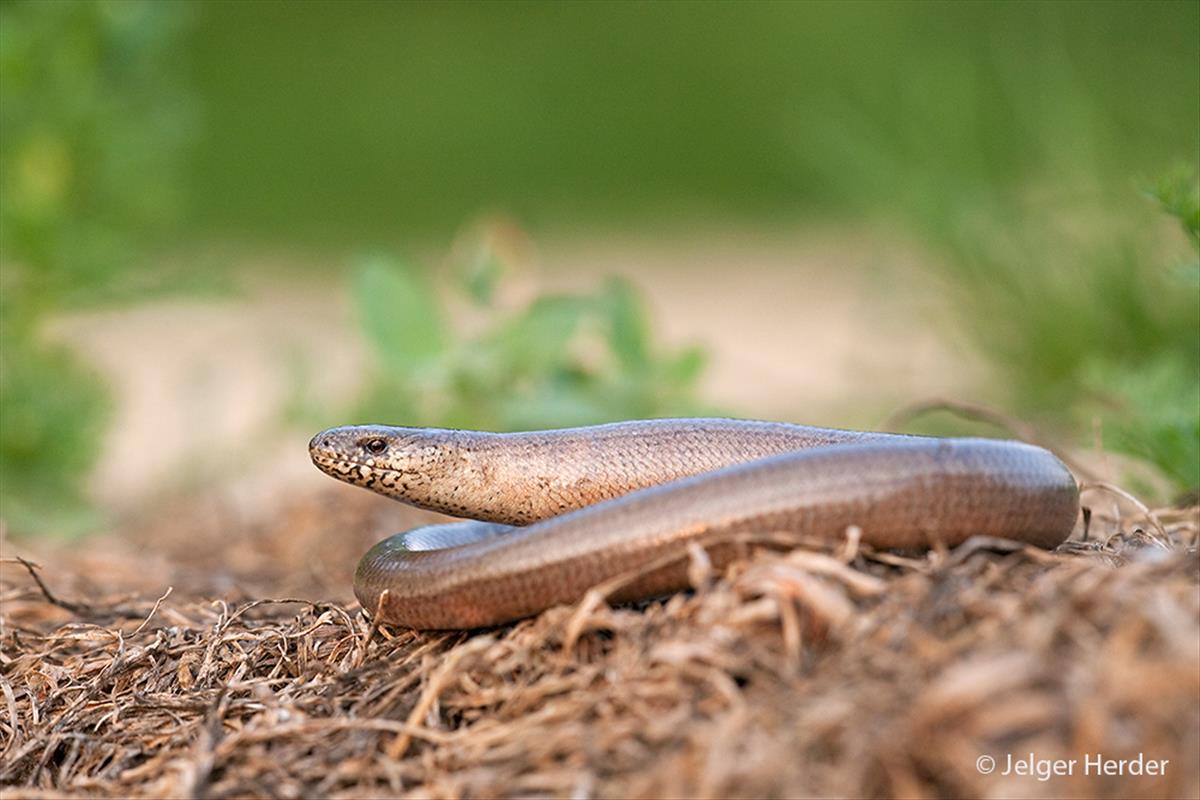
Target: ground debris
column 818, row 672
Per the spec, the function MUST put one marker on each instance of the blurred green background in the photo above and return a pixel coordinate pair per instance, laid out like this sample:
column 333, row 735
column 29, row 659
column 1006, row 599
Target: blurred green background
column 1044, row 154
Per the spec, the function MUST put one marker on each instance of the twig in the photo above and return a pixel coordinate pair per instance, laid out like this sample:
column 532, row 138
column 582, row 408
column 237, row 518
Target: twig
column 154, row 610
column 82, row 609
column 86, row 609
column 975, row 544
column 1021, row 430
column 376, row 618
column 1162, row 539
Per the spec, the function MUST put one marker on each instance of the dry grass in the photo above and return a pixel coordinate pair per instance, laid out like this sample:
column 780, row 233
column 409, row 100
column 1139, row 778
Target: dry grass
column 840, row 672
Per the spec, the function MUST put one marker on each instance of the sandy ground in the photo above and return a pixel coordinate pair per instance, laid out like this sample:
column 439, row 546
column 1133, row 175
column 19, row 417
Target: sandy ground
column 823, row 328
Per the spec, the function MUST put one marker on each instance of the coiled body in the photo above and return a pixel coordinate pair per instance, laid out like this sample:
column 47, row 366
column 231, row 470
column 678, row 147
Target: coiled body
column 611, row 500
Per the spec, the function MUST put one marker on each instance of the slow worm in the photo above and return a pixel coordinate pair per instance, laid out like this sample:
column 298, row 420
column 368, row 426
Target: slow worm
column 557, row 512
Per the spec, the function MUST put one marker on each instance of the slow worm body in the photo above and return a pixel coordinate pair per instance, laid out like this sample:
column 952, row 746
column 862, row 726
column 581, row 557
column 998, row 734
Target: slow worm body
column 561, row 511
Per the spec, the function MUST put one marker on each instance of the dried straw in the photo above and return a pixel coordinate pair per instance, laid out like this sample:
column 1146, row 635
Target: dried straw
column 838, row 671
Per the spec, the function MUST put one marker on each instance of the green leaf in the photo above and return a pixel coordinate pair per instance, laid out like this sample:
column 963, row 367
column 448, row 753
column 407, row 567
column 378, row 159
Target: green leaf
column 399, row 314
column 685, row 369
column 538, row 340
column 562, row 360
column 628, row 331
column 480, row 277
column 1151, row 410
column 1178, row 193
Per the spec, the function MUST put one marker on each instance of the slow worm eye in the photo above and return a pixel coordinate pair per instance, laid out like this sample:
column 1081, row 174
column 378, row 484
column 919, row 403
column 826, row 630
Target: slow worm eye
column 375, row 446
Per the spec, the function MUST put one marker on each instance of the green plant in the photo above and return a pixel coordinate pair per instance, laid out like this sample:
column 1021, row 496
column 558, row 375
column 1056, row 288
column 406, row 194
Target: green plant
column 53, row 418
column 1178, row 193
column 1154, row 405
column 556, row 361
column 93, row 126
column 1087, row 323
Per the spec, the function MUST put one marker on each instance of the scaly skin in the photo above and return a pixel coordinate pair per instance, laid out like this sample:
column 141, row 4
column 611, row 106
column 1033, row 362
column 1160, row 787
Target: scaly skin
column 609, row 500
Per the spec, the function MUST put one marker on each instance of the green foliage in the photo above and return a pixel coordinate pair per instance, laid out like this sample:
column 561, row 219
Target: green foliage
column 396, row 307
column 1178, row 192
column 1086, row 321
column 93, row 123
column 1150, row 410
column 555, row 361
column 53, row 418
